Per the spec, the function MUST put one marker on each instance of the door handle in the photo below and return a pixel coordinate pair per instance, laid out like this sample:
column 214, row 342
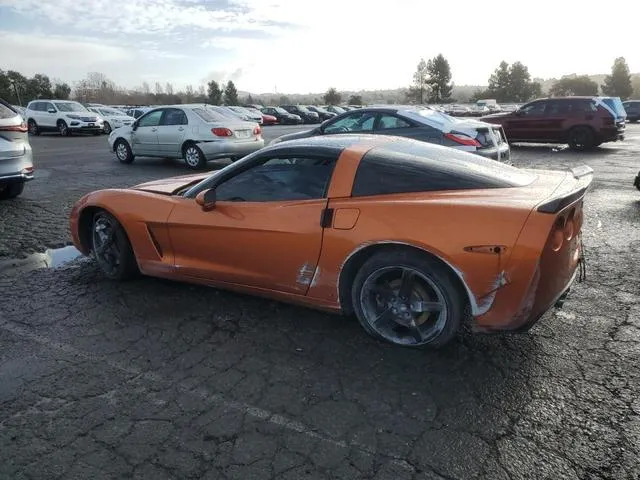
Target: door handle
column 154, row 129
column 180, row 129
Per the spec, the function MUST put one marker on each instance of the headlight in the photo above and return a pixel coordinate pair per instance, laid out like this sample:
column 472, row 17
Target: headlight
column 74, row 117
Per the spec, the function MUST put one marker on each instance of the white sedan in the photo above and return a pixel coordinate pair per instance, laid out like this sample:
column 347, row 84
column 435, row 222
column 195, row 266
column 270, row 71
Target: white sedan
column 113, row 118
column 192, row 132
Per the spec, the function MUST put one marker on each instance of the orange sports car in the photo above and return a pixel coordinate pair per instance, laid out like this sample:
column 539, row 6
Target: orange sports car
column 411, row 237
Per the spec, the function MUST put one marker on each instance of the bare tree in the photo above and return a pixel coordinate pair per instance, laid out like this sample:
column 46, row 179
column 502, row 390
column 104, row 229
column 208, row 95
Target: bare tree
column 168, row 88
column 158, row 89
column 189, row 93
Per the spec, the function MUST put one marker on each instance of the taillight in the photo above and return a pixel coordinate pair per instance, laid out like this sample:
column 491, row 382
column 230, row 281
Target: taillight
column 15, row 128
column 222, row 132
column 557, row 234
column 257, row 130
column 463, row 139
column 569, row 226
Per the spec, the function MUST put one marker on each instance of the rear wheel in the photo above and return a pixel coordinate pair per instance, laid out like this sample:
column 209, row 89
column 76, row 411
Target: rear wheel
column 582, row 138
column 11, row 190
column 193, row 157
column 112, row 248
column 33, row 127
column 123, row 151
column 407, row 299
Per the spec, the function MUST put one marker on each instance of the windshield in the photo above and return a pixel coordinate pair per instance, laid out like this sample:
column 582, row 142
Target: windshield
column 281, row 111
column 615, row 104
column 339, row 109
column 303, row 109
column 436, row 116
column 70, row 107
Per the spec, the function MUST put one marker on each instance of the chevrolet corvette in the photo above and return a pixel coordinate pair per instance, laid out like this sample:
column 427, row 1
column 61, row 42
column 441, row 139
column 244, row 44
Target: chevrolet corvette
column 413, row 238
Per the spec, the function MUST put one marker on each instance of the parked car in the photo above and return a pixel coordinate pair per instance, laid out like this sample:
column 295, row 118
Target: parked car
column 284, row 117
column 255, row 106
column 64, row 116
column 582, row 122
column 458, row 111
column 265, row 119
column 192, row 132
column 422, row 124
column 21, row 110
column 323, row 113
column 137, row 112
column 16, row 159
column 303, row 112
column 632, row 107
column 409, row 236
column 336, row 109
column 247, row 114
column 112, row 118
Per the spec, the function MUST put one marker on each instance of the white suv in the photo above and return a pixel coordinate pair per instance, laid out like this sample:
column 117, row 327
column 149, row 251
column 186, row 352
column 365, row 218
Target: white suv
column 63, row 116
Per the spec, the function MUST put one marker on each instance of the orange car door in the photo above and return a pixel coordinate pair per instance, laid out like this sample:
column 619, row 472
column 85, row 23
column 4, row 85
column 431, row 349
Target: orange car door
column 265, row 230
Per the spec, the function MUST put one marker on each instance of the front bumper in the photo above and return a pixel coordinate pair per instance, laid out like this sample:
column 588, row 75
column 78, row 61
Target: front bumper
column 229, row 149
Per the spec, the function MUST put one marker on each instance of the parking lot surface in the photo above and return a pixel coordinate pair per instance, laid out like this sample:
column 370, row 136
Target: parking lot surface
column 153, row 379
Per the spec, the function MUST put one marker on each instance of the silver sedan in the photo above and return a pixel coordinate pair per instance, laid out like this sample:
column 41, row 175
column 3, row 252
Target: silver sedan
column 194, row 132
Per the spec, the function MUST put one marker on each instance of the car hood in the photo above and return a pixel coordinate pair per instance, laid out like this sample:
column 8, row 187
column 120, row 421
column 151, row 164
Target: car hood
column 294, row 136
column 171, row 185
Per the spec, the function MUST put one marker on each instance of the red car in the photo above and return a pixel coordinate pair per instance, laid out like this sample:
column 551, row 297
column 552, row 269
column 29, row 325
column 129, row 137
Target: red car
column 582, row 122
column 269, row 119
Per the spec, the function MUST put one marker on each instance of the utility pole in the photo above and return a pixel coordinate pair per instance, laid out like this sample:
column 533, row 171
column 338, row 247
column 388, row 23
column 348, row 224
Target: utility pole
column 15, row 88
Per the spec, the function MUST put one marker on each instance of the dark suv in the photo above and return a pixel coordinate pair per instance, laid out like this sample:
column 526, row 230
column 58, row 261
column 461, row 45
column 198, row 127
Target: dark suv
column 632, row 107
column 582, row 122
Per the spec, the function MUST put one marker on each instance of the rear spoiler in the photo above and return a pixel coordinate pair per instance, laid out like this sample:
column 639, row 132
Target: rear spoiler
column 583, row 176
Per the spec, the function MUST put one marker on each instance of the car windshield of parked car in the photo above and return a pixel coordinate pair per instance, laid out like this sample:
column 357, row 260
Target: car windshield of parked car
column 209, row 115
column 70, row 107
column 281, row 111
column 339, row 109
column 303, row 109
column 436, row 116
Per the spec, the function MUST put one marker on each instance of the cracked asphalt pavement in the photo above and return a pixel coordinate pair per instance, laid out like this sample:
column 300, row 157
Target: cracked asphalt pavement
column 153, row 379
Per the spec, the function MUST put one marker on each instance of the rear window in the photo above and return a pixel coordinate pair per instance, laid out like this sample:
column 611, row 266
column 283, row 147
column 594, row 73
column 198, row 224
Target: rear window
column 209, row 115
column 616, row 105
column 412, row 166
column 6, row 111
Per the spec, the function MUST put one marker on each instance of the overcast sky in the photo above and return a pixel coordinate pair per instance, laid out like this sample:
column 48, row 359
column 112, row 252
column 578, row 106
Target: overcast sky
column 301, row 46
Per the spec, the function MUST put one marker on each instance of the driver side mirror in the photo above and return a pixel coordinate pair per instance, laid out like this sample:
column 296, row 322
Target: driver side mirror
column 52, row 110
column 207, row 199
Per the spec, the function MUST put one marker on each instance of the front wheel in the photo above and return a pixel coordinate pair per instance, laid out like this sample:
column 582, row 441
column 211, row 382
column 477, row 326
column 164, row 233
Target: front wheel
column 112, row 249
column 33, row 127
column 581, row 139
column 107, row 128
column 408, row 299
column 63, row 129
column 11, row 190
column 123, row 151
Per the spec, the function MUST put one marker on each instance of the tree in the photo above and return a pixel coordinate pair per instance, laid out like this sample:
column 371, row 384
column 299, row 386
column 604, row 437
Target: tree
column 188, row 93
column 39, row 87
column 145, row 88
column 511, row 84
column 214, row 93
column 62, row 91
column 439, row 80
column 332, row 97
column 158, row 88
column 249, row 100
column 230, row 94
column 284, row 100
column 355, row 100
column 417, row 90
column 618, row 84
column 168, row 88
column 574, row 85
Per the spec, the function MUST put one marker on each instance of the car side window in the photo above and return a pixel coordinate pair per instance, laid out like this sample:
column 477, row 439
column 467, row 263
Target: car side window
column 174, row 116
column 355, row 122
column 390, row 122
column 280, row 179
column 556, row 107
column 152, row 119
column 49, row 106
column 533, row 109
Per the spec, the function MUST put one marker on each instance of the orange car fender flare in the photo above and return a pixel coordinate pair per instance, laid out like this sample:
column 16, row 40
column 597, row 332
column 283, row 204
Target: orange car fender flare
column 476, row 309
column 94, row 201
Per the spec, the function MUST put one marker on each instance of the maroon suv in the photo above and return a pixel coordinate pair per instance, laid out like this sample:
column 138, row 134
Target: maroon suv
column 582, row 122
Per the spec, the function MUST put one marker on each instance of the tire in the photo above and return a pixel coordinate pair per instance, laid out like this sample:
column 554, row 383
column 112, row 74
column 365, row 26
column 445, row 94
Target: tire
column 193, row 157
column 63, row 129
column 408, row 299
column 33, row 127
column 123, row 151
column 11, row 190
column 581, row 139
column 107, row 128
column 111, row 248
